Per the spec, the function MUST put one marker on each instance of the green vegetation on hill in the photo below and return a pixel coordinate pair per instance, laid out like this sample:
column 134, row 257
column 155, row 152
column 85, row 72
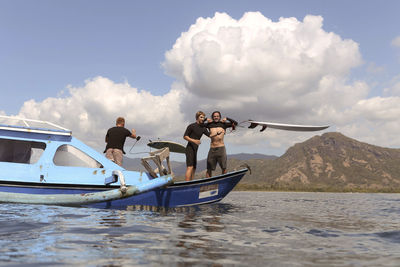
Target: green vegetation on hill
column 328, row 163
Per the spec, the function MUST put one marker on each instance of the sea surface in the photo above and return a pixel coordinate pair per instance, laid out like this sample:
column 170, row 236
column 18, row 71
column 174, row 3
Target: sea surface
column 245, row 229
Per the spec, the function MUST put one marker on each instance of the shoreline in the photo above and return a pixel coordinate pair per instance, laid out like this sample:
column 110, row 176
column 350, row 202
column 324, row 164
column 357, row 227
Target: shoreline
column 261, row 188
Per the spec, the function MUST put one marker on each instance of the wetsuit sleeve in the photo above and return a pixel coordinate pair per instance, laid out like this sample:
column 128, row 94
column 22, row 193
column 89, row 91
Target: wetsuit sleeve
column 232, row 123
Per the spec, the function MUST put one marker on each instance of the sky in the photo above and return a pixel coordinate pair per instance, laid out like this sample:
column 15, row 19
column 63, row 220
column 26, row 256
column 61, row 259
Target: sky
column 81, row 64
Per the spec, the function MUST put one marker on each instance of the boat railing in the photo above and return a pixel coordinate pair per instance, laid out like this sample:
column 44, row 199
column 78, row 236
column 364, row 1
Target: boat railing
column 117, row 174
column 32, row 126
column 157, row 157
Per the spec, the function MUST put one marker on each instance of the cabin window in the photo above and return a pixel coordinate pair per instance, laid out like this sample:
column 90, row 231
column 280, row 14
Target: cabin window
column 67, row 155
column 20, row 151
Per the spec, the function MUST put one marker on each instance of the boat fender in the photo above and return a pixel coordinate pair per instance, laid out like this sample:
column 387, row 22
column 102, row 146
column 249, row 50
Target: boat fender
column 118, row 174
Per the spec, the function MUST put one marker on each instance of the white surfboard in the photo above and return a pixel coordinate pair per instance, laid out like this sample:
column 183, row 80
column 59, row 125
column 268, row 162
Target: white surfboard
column 281, row 126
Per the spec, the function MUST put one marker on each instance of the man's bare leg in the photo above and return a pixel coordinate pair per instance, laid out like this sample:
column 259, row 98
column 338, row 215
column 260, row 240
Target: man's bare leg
column 193, row 172
column 189, row 173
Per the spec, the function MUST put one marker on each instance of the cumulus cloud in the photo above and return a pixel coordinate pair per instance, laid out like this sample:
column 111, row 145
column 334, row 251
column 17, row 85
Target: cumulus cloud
column 377, row 121
column 396, row 42
column 374, row 69
column 394, row 87
column 288, row 71
column 90, row 110
column 254, row 67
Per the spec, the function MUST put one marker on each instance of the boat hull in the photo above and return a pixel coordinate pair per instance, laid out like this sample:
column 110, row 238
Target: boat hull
column 180, row 194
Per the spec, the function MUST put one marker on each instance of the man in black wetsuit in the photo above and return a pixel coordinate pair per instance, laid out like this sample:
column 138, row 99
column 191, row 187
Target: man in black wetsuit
column 217, row 152
column 115, row 139
column 193, row 134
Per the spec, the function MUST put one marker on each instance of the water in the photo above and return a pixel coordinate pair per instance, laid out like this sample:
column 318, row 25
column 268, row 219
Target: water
column 245, row 229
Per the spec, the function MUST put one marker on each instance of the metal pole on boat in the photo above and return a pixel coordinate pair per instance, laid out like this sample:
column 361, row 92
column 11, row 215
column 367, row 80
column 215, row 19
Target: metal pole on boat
column 137, row 139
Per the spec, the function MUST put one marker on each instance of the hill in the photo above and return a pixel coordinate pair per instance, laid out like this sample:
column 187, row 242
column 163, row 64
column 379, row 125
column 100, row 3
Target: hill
column 330, row 162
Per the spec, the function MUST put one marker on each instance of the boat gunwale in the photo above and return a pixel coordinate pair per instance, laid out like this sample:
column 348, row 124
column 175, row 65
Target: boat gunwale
column 206, row 180
column 5, row 183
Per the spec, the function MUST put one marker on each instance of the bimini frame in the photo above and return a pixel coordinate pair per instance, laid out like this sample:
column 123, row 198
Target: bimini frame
column 33, row 126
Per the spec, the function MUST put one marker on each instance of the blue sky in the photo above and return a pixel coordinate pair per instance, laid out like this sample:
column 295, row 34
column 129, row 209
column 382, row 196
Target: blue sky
column 48, row 47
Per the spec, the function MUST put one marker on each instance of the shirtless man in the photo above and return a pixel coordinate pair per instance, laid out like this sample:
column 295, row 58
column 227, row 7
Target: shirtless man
column 217, row 152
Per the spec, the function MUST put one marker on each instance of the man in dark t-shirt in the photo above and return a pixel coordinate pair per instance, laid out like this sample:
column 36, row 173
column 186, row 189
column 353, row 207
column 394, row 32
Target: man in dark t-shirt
column 193, row 134
column 115, row 139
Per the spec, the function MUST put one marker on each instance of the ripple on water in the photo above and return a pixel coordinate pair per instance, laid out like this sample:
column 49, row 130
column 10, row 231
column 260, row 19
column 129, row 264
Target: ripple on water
column 323, row 233
column 391, row 236
column 247, row 228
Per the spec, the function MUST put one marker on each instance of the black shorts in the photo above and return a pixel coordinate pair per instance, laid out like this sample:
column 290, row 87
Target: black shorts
column 191, row 156
column 216, row 154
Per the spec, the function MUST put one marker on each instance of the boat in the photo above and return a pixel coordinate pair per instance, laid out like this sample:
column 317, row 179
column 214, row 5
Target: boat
column 181, row 195
column 42, row 163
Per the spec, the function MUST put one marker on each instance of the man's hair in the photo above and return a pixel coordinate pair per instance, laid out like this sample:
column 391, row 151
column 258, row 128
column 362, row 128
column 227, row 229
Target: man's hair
column 198, row 113
column 120, row 120
column 212, row 115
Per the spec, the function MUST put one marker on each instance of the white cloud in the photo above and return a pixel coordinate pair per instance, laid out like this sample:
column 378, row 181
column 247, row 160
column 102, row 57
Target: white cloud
column 254, row 67
column 377, row 121
column 90, row 110
column 379, row 109
column 374, row 69
column 394, row 87
column 287, row 71
column 395, row 90
column 396, row 41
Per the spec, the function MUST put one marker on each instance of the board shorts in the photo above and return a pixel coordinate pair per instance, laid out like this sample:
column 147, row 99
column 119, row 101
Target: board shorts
column 191, row 156
column 216, row 155
column 115, row 155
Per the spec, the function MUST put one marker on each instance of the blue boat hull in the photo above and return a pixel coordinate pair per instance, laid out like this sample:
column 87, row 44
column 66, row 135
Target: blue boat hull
column 180, row 194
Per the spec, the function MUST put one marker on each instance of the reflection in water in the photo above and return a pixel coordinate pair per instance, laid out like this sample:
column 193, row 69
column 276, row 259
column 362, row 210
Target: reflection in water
column 197, row 239
column 248, row 228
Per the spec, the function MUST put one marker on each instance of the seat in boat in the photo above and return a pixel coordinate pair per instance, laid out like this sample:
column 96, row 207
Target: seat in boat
column 158, row 157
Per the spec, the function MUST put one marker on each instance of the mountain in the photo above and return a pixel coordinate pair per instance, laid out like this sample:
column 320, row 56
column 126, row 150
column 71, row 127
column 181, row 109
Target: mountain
column 330, row 162
column 247, row 156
